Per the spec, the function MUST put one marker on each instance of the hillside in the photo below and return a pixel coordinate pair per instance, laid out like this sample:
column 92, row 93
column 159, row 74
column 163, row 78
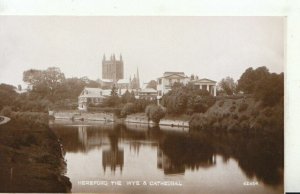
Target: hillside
column 239, row 114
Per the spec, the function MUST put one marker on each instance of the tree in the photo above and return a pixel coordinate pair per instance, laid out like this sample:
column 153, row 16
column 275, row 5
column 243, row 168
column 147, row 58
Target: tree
column 152, row 84
column 129, row 108
column 227, row 85
column 45, row 83
column 7, row 95
column 154, row 113
column 270, row 90
column 114, row 91
column 250, row 78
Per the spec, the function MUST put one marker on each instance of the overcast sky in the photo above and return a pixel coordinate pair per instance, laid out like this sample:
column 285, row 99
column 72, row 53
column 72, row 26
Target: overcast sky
column 210, row 47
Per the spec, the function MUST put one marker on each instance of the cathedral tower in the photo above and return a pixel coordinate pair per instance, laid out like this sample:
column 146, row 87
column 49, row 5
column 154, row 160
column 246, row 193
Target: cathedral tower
column 112, row 69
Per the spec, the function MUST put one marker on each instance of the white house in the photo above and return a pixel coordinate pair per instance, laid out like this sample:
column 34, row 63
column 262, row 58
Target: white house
column 147, row 93
column 165, row 82
column 92, row 96
column 206, row 84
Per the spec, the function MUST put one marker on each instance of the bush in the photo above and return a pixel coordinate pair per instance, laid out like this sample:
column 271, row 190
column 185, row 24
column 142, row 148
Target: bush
column 154, row 113
column 6, row 111
column 268, row 112
column 129, row 108
column 232, row 108
column 221, row 103
column 235, row 116
column 254, row 112
column 243, row 107
column 31, row 118
column 243, row 118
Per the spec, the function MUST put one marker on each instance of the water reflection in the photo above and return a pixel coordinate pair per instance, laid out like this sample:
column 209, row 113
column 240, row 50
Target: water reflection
column 113, row 157
column 256, row 157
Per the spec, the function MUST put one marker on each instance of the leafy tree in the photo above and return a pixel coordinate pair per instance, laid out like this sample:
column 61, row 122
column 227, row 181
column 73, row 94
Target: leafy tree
column 250, row 78
column 152, row 84
column 129, row 108
column 187, row 99
column 228, row 85
column 114, row 91
column 270, row 90
column 7, row 95
column 267, row 87
column 45, row 83
column 154, row 113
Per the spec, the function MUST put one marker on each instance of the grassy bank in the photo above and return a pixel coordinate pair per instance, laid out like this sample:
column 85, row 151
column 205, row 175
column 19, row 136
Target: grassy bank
column 31, row 159
column 240, row 115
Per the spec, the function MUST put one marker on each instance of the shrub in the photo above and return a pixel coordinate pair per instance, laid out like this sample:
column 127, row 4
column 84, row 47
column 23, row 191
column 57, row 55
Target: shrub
column 255, row 113
column 235, row 116
column 154, row 113
column 243, row 107
column 243, row 118
column 129, row 108
column 232, row 108
column 31, row 118
column 221, row 103
column 6, row 111
column 268, row 112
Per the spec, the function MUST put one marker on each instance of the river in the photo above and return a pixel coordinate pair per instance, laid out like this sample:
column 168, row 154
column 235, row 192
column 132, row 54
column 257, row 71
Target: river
column 109, row 158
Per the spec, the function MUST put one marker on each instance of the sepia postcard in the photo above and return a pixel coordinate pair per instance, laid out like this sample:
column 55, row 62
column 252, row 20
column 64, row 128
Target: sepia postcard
column 142, row 104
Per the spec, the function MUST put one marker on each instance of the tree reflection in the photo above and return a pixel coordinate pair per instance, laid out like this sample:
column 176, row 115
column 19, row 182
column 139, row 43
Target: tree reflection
column 113, row 157
column 259, row 156
column 178, row 152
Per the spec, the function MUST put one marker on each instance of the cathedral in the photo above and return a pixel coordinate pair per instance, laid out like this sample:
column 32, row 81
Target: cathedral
column 112, row 69
column 113, row 74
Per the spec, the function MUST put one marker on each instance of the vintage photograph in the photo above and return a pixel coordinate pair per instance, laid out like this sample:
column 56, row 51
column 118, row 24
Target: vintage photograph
column 142, row 104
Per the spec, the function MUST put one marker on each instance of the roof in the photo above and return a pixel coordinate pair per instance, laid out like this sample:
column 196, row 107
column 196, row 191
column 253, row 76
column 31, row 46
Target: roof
column 123, row 81
column 94, row 93
column 106, row 80
column 168, row 74
column 148, row 90
column 203, row 80
column 122, row 91
column 173, row 72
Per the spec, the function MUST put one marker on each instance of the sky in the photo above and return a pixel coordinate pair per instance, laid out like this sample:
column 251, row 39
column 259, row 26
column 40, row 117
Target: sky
column 210, row 47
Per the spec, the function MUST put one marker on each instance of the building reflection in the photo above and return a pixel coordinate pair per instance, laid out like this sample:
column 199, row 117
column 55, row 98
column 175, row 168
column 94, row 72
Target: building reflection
column 178, row 164
column 114, row 156
column 167, row 165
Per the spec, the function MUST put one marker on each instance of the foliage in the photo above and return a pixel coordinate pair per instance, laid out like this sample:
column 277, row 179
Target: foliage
column 270, row 90
column 227, row 85
column 7, row 95
column 45, row 83
column 187, row 99
column 243, row 106
column 154, row 113
column 127, row 97
column 30, row 118
column 114, row 91
column 129, row 108
column 267, row 87
column 6, row 111
column 250, row 78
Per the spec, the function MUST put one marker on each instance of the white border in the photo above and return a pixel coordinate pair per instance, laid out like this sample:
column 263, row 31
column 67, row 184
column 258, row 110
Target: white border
column 201, row 8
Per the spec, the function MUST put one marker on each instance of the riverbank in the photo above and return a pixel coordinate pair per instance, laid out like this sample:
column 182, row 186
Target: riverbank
column 140, row 118
column 243, row 114
column 31, row 159
column 171, row 121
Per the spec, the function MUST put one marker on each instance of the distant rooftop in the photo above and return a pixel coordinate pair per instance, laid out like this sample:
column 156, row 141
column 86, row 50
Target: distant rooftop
column 95, row 93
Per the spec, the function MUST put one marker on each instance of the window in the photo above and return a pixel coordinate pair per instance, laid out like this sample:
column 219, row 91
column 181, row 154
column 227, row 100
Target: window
column 159, row 81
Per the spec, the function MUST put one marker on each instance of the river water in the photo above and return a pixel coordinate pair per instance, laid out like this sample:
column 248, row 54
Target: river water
column 107, row 158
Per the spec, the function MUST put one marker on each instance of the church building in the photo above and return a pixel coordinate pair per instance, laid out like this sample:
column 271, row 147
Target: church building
column 112, row 69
